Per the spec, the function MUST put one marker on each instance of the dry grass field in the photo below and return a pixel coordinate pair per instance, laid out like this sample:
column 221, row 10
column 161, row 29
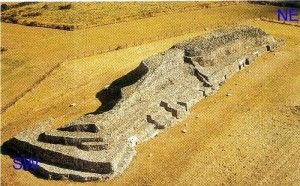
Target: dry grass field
column 249, row 138
column 32, row 50
column 70, row 16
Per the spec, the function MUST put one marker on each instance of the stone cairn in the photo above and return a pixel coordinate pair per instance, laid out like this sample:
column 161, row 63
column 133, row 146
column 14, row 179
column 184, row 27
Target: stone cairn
column 139, row 105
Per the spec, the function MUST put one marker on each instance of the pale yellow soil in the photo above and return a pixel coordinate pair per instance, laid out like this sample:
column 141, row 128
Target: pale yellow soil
column 32, row 60
column 90, row 14
column 251, row 137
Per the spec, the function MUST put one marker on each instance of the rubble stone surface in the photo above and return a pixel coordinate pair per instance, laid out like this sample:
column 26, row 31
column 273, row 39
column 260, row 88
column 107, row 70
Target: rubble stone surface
column 137, row 106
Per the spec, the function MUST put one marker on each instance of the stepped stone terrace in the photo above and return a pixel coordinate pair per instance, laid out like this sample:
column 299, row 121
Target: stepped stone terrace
column 136, row 107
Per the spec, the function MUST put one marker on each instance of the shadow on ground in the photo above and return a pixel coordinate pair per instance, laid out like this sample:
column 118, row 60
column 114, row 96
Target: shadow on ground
column 111, row 95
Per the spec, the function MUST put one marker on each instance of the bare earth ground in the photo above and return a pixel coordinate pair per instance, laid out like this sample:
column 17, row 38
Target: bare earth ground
column 79, row 15
column 40, row 54
column 251, row 137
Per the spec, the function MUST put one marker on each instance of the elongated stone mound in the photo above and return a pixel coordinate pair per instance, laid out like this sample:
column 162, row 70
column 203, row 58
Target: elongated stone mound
column 137, row 106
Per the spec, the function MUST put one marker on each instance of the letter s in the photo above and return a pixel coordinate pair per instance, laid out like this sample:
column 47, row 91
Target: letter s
column 18, row 161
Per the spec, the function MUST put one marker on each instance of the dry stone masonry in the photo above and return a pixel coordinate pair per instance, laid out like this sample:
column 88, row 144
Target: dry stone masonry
column 137, row 106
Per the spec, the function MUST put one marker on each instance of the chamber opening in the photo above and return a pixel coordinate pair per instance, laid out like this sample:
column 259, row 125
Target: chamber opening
column 247, row 62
